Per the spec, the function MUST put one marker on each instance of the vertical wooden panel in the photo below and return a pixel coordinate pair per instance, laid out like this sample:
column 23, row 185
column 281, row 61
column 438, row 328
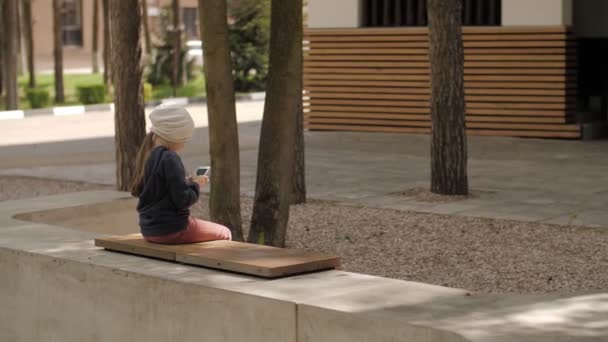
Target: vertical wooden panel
column 421, row 13
column 480, row 12
column 386, row 13
column 410, row 12
column 398, row 13
column 374, row 12
column 467, row 12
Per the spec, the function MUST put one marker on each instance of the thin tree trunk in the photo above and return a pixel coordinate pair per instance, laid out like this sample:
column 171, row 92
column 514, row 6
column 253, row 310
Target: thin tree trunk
column 2, row 73
column 144, row 4
column 95, row 43
column 298, row 190
column 58, row 51
column 224, row 202
column 448, row 137
column 29, row 41
column 107, row 77
column 177, row 46
column 10, row 53
column 20, row 47
column 129, row 117
column 276, row 150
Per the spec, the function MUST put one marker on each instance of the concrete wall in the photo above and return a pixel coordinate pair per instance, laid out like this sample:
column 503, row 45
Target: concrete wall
column 590, row 18
column 48, row 299
column 536, row 12
column 334, row 13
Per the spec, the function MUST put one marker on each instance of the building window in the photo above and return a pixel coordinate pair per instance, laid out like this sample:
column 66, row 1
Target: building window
column 190, row 20
column 71, row 11
column 390, row 13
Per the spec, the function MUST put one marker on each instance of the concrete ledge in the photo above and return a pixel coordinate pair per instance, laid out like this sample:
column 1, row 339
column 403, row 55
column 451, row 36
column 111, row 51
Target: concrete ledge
column 102, row 107
column 58, row 286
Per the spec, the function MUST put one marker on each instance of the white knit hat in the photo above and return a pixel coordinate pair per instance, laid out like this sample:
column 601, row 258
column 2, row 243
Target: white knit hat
column 172, row 123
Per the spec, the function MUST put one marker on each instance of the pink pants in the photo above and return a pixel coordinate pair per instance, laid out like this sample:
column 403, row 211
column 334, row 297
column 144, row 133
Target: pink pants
column 197, row 231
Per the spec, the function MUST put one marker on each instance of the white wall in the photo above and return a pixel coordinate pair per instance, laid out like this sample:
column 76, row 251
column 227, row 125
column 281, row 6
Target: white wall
column 334, row 13
column 536, row 12
column 590, row 18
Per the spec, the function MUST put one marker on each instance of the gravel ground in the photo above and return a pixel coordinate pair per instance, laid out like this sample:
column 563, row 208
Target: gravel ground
column 483, row 255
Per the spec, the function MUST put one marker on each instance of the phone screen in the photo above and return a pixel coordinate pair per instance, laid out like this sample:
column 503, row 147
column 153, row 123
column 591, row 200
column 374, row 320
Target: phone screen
column 202, row 171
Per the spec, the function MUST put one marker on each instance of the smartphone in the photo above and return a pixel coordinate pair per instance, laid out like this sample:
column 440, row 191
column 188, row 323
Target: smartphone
column 203, row 171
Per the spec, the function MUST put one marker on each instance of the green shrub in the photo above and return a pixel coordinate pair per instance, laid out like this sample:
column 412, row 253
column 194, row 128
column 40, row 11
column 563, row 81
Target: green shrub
column 91, row 94
column 37, row 97
column 147, row 92
column 249, row 36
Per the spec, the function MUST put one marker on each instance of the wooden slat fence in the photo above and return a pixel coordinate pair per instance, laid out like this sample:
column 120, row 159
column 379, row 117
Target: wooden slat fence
column 519, row 81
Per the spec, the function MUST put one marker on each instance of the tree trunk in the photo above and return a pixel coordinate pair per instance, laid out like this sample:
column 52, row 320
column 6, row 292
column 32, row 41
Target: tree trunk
column 95, row 43
column 58, row 51
column 2, row 48
column 129, row 117
column 107, row 77
column 20, row 48
column 29, row 41
column 276, row 150
column 144, row 4
column 448, row 137
column 10, row 48
column 224, row 202
column 298, row 190
column 177, row 46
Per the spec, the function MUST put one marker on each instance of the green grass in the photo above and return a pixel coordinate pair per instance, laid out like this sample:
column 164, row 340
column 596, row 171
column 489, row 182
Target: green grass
column 194, row 88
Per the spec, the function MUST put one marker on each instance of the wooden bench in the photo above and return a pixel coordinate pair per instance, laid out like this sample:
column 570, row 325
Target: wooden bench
column 252, row 259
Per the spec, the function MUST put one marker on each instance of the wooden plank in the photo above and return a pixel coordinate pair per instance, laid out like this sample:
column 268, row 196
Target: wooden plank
column 518, row 99
column 379, row 83
column 367, row 58
column 367, row 64
column 135, row 244
column 523, row 126
column 384, row 77
column 427, row 117
column 370, row 109
column 426, row 97
column 413, row 48
column 499, row 105
column 259, row 260
column 372, row 71
column 519, row 78
column 425, row 71
column 372, row 103
column 518, row 85
column 518, row 51
column 518, row 44
column 374, row 90
column 324, row 95
column 230, row 256
column 466, row 30
column 417, row 130
column 525, row 134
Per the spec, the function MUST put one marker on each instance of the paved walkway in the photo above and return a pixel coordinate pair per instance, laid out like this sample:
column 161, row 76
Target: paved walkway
column 561, row 182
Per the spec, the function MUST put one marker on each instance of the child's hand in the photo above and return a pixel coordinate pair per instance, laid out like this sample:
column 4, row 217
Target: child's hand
column 201, row 180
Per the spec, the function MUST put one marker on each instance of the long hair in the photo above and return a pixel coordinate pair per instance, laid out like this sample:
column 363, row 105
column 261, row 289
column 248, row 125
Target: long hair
column 140, row 164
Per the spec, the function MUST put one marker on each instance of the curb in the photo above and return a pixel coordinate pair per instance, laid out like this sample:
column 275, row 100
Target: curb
column 81, row 109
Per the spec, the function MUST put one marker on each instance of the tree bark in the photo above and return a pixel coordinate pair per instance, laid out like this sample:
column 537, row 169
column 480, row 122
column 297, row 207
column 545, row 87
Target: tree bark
column 20, row 47
column 177, row 46
column 95, row 43
column 130, row 123
column 107, row 76
column 298, row 191
column 224, row 202
column 10, row 48
column 276, row 150
column 144, row 4
column 58, row 51
column 448, row 136
column 29, row 41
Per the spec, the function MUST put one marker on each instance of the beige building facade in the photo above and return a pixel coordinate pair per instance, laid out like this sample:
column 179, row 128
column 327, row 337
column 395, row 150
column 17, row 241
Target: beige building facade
column 78, row 29
column 533, row 68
